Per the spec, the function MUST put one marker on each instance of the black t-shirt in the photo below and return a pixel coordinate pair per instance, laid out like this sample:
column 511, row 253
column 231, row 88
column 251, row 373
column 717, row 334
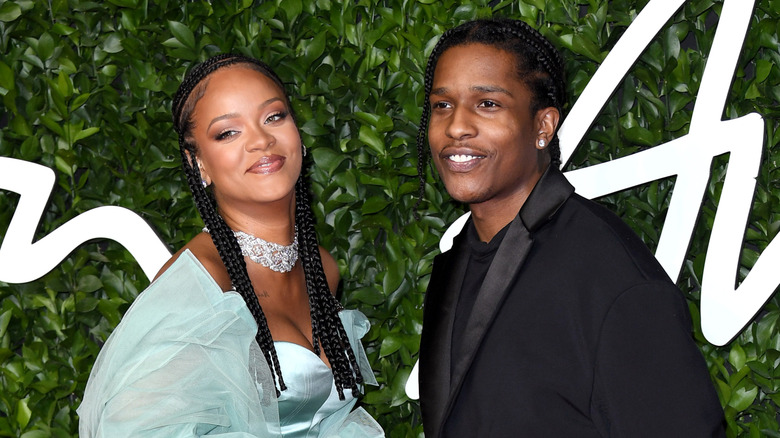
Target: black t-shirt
column 480, row 257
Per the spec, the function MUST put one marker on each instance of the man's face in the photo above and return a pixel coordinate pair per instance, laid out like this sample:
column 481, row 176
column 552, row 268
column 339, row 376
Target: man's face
column 482, row 134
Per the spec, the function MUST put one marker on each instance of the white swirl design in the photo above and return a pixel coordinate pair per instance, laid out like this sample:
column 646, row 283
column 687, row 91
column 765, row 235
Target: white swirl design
column 22, row 261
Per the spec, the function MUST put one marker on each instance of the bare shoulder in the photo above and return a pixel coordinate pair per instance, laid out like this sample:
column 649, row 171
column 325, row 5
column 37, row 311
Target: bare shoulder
column 204, row 250
column 331, row 269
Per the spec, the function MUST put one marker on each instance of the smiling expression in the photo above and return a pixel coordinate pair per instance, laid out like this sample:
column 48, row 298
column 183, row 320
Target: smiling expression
column 248, row 145
column 483, row 137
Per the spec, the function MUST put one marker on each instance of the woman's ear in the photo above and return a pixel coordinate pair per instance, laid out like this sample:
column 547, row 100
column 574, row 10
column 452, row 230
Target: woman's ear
column 204, row 176
column 546, row 123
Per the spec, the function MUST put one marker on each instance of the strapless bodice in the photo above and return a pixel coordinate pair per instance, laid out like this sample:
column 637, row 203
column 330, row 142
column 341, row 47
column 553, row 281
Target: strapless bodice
column 311, row 394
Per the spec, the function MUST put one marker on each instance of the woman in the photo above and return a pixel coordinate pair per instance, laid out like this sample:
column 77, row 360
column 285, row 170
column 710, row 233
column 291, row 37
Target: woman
column 240, row 334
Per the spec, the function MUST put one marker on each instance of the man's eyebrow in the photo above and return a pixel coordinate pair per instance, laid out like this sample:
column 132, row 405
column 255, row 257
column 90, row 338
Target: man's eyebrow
column 491, row 89
column 439, row 91
column 232, row 115
column 478, row 88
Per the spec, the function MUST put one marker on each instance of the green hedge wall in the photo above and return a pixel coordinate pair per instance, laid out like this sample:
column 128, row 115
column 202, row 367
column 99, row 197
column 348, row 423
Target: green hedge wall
column 86, row 89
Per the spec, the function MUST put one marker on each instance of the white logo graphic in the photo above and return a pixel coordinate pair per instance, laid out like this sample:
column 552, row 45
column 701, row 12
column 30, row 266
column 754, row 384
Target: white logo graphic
column 22, row 261
column 725, row 310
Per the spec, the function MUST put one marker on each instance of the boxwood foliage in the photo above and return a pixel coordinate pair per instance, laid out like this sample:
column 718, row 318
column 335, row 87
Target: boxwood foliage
column 86, row 89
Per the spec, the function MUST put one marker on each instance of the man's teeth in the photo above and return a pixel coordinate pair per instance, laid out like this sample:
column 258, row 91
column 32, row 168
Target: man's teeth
column 462, row 158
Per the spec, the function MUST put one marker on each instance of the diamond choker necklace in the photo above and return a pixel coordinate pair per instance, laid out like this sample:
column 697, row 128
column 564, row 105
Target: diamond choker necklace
column 278, row 258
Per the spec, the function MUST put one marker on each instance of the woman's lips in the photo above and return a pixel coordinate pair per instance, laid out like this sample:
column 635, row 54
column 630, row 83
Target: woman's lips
column 267, row 164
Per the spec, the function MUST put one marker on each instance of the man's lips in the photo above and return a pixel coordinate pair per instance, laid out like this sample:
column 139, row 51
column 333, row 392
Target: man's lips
column 267, row 164
column 461, row 159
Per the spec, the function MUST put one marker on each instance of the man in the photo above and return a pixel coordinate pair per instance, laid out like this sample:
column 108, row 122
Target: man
column 548, row 317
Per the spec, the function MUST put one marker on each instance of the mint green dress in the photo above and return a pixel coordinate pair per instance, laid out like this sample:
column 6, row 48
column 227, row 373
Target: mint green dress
column 183, row 362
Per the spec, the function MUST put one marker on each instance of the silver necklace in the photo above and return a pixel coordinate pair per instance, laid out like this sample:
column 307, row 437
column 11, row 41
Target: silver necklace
column 278, row 258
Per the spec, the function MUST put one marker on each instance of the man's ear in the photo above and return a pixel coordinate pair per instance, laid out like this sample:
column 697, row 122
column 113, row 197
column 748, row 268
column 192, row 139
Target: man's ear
column 546, row 121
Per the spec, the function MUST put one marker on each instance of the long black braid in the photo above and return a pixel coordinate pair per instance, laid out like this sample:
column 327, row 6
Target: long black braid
column 539, row 66
column 326, row 325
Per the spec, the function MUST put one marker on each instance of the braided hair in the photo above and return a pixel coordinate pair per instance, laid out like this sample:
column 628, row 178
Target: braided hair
column 538, row 64
column 327, row 329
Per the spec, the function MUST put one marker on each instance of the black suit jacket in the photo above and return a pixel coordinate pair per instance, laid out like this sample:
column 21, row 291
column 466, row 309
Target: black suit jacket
column 576, row 331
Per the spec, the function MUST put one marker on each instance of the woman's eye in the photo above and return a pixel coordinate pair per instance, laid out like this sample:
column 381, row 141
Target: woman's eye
column 275, row 117
column 226, row 134
column 440, row 105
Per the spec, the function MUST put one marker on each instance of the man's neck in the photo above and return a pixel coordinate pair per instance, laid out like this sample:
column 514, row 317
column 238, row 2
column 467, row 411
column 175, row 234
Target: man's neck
column 491, row 218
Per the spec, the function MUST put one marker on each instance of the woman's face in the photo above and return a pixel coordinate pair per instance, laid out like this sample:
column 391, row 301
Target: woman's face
column 248, row 145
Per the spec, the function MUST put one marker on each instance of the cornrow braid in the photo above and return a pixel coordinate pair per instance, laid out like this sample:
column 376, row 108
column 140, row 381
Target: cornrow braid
column 327, row 329
column 324, row 306
column 538, row 64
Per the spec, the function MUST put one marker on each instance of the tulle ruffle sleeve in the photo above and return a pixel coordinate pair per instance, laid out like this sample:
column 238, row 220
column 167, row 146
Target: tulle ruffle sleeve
column 183, row 362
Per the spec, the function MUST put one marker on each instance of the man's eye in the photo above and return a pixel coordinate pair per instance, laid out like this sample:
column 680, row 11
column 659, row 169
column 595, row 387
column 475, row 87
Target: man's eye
column 488, row 104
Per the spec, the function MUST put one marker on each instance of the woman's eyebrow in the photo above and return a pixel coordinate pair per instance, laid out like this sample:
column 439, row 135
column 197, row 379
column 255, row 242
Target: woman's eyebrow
column 233, row 115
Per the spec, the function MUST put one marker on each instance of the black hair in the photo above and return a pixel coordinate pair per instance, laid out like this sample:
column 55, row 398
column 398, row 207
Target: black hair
column 538, row 64
column 324, row 307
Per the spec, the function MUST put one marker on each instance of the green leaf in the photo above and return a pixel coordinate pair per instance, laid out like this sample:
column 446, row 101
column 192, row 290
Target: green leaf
column 9, row 11
column 36, row 434
column 753, row 92
column 6, row 77
column 374, row 204
column 368, row 295
column 292, row 8
column 183, row 34
column 84, row 133
column 112, row 44
column 382, row 123
column 394, row 276
column 50, row 123
column 312, row 127
column 79, row 101
column 763, row 68
column 62, row 29
column 89, row 283
column 312, row 49
column 126, row 3
column 23, row 413
column 327, row 159
column 390, row 344
column 5, row 319
column 371, row 138
column 30, row 149
column 45, row 46
column 737, row 357
column 742, row 398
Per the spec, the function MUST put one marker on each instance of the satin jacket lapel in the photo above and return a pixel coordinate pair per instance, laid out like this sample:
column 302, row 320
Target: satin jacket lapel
column 435, row 353
column 548, row 196
column 504, row 268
